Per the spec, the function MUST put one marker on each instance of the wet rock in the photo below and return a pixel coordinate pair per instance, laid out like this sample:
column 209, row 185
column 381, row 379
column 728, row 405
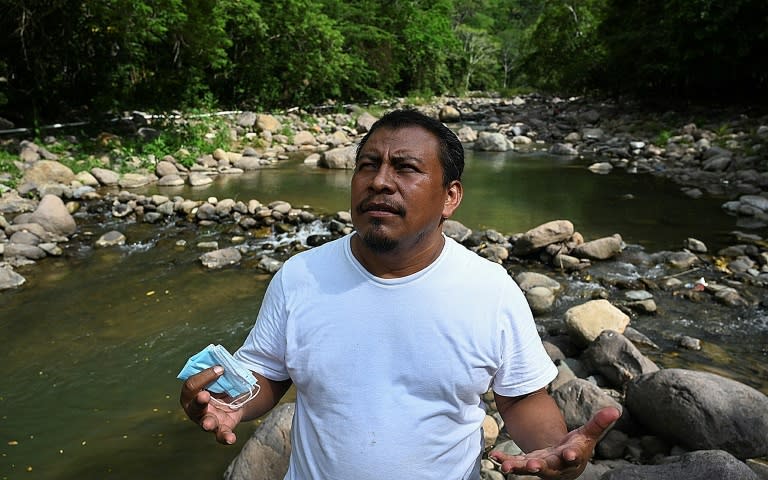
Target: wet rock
column 540, row 299
column 269, row 264
column 695, row 246
column 600, row 249
column 111, row 239
column 587, row 321
column 565, row 149
column 543, row 235
column 197, row 179
column 171, row 180
column 10, row 279
column 135, row 180
column 701, row 411
column 494, row 253
column 221, row 258
column 689, row 343
column 492, row 142
column 31, row 252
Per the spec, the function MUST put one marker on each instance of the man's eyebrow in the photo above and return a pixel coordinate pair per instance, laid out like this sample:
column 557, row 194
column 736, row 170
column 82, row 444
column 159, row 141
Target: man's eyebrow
column 404, row 157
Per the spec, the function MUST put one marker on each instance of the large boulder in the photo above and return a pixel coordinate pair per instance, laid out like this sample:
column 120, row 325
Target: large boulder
column 47, row 172
column 700, row 465
column 600, row 249
column 543, row 235
column 265, row 455
column 343, row 157
column 587, row 321
column 617, row 359
column 701, row 411
column 579, row 399
column 53, row 216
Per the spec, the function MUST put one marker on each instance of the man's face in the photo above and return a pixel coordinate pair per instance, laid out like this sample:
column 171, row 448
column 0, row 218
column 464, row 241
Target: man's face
column 398, row 197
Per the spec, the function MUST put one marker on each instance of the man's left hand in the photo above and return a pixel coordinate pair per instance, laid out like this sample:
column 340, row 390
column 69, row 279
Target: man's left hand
column 569, row 458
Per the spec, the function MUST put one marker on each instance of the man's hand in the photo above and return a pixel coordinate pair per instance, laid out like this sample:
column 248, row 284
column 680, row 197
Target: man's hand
column 567, row 459
column 196, row 402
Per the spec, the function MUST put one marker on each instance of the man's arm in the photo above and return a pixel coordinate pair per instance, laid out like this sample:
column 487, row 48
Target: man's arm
column 196, row 402
column 536, row 425
column 533, row 421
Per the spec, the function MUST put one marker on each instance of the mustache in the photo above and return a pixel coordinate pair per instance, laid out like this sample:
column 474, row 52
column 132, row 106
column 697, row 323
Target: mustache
column 388, row 206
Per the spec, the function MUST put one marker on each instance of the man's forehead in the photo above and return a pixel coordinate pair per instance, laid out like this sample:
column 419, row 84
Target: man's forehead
column 401, row 139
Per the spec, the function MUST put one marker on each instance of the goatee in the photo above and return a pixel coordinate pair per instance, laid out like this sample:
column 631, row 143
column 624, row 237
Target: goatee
column 377, row 241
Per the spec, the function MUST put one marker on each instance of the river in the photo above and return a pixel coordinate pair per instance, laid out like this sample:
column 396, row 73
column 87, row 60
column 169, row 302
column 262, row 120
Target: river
column 95, row 338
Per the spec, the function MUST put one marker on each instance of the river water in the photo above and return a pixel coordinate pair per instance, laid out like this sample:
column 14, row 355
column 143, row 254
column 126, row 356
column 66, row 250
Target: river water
column 95, row 338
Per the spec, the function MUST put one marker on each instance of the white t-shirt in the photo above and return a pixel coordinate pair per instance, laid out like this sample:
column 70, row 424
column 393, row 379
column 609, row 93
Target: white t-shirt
column 389, row 372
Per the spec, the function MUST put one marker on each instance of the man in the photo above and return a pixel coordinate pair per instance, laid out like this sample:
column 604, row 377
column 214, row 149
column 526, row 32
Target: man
column 392, row 334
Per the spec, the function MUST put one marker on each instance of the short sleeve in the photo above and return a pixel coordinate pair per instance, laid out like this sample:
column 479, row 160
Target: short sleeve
column 525, row 365
column 264, row 349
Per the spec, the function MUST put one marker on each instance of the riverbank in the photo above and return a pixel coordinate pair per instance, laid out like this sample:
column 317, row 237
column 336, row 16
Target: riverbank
column 728, row 282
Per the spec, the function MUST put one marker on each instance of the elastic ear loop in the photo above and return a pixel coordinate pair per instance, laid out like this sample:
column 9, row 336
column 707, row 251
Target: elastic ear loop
column 239, row 401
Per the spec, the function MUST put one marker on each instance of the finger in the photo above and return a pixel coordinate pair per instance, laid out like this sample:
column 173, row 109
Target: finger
column 600, row 422
column 197, row 406
column 225, row 436
column 199, row 381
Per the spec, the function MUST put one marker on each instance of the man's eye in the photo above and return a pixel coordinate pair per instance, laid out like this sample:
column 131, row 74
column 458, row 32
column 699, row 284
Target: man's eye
column 365, row 166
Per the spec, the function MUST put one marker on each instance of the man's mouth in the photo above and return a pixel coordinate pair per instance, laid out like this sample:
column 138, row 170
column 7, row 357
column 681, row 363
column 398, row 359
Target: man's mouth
column 382, row 207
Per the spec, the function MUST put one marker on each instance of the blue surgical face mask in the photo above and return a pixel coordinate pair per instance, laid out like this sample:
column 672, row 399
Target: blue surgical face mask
column 237, row 382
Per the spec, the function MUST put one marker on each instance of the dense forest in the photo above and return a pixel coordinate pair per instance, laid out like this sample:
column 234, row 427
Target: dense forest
column 74, row 58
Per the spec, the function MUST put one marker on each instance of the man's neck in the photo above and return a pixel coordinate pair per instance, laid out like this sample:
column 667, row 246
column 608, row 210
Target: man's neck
column 399, row 262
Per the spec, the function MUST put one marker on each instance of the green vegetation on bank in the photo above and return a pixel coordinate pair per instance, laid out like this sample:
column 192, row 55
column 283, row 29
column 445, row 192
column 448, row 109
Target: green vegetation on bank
column 76, row 58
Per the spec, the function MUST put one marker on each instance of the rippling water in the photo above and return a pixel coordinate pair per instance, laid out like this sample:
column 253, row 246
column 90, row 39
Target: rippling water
column 95, row 338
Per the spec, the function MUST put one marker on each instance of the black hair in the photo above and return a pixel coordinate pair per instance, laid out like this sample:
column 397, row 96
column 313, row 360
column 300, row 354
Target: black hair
column 451, row 150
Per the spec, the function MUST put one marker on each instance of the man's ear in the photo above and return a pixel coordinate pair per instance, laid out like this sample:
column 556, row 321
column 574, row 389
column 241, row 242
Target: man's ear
column 453, row 195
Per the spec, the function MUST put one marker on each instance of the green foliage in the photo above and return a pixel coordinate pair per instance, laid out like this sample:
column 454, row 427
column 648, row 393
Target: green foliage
column 691, row 48
column 77, row 58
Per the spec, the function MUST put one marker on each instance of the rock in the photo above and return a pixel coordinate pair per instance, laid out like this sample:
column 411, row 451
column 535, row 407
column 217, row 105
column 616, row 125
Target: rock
column 540, row 299
column 199, row 179
column 565, row 149
column 543, row 235
column 456, row 230
column 268, row 123
column 579, row 400
column 364, row 122
column 31, row 252
column 695, row 246
column 617, row 359
column 494, row 252
column 490, row 431
column 265, row 455
column 10, row 279
column 449, row 114
column 529, row 280
column 111, row 239
column 164, row 167
column 600, row 249
column 304, row 137
column 105, row 176
column 171, row 180
column 467, row 134
column 46, row 172
column 700, row 465
column 587, row 321
column 343, row 157
column 53, row 216
column 701, row 411
column 221, row 258
column 491, row 142
column 246, row 119
column 269, row 264
column 135, row 180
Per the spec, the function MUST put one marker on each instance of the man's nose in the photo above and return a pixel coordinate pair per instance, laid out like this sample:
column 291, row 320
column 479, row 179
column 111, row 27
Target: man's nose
column 384, row 178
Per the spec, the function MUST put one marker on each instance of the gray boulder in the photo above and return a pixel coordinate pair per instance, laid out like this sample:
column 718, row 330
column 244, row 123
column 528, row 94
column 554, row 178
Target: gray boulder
column 699, row 465
column 492, row 142
column 701, row 411
column 343, row 157
column 10, row 279
column 617, row 359
column 579, row 400
column 600, row 249
column 265, row 455
column 221, row 258
column 543, row 235
column 53, row 216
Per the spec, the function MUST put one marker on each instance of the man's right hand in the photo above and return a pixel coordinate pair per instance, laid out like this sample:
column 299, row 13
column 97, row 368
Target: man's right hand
column 196, row 402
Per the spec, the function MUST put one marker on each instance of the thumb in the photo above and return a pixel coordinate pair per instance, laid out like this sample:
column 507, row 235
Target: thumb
column 600, row 423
